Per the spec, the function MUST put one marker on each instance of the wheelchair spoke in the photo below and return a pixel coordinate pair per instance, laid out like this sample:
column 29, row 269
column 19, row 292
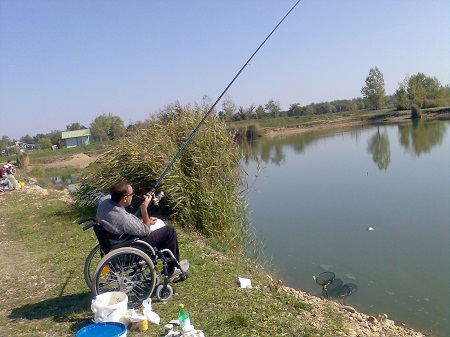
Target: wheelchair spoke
column 129, row 271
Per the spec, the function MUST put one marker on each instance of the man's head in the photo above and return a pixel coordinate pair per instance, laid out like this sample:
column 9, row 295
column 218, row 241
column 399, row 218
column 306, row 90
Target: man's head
column 122, row 193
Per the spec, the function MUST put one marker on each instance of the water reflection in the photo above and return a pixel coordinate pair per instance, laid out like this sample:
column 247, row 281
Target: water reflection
column 378, row 146
column 59, row 181
column 420, row 137
column 417, row 138
column 273, row 150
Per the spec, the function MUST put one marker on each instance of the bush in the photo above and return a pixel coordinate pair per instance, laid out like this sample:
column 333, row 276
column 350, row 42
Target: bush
column 23, row 160
column 252, row 132
column 37, row 171
column 247, row 131
column 415, row 112
column 202, row 187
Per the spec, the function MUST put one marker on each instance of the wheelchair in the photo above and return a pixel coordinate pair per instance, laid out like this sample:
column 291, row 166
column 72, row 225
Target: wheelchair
column 129, row 267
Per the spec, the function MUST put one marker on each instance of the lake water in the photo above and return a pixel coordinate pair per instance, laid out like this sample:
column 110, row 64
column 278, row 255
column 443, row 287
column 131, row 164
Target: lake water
column 316, row 195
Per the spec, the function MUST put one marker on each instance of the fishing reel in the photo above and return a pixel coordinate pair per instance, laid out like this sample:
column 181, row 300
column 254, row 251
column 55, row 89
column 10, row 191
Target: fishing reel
column 157, row 198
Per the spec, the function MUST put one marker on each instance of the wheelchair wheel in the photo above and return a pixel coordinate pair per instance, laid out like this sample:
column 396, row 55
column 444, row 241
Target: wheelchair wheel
column 128, row 270
column 164, row 293
column 91, row 263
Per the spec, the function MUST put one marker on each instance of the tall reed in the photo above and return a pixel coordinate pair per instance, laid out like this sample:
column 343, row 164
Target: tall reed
column 202, row 189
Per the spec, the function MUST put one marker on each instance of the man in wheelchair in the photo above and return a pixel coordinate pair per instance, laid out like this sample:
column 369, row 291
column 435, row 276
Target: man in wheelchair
column 120, row 224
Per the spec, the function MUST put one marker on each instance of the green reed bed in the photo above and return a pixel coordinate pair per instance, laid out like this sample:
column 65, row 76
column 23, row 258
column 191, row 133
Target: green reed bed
column 203, row 186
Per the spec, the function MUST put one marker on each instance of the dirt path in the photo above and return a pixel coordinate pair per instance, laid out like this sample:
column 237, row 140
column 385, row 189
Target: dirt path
column 77, row 161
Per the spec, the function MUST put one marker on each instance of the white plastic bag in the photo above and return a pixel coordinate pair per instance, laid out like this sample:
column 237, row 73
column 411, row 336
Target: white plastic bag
column 134, row 317
column 151, row 316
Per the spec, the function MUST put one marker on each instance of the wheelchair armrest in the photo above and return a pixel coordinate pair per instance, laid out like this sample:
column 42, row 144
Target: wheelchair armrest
column 92, row 224
column 86, row 220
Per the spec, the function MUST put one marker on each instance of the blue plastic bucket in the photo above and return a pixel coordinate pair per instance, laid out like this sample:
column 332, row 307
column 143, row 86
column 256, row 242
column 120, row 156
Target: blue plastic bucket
column 105, row 329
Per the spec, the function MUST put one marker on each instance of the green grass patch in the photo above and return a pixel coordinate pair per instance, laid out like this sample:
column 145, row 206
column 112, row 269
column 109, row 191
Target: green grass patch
column 43, row 258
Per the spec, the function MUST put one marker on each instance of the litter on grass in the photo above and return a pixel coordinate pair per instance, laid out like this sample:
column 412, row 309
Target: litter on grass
column 245, row 282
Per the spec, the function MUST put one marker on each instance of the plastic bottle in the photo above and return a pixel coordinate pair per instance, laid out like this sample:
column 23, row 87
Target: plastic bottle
column 183, row 317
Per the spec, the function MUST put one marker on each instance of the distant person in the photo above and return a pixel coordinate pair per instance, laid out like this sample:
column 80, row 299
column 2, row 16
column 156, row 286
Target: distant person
column 120, row 224
column 4, row 181
column 11, row 167
column 10, row 175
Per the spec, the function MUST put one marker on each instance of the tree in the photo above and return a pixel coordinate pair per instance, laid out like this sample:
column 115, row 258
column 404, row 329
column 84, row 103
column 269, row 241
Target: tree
column 229, row 108
column 401, row 96
column 273, row 108
column 240, row 115
column 260, row 112
column 107, row 127
column 417, row 92
column 326, row 108
column 310, row 109
column 374, row 92
column 75, row 126
column 27, row 139
column 295, row 110
column 44, row 143
column 352, row 107
column 39, row 136
column 5, row 142
column 422, row 90
column 54, row 136
column 206, row 103
column 250, row 111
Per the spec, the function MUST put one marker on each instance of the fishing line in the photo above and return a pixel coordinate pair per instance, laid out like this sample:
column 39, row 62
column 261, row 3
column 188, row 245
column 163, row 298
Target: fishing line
column 217, row 101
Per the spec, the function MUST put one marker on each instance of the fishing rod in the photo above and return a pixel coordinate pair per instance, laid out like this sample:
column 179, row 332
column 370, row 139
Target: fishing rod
column 217, row 101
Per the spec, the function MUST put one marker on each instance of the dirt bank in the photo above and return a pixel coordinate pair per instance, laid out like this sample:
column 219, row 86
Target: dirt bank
column 76, row 161
column 345, row 122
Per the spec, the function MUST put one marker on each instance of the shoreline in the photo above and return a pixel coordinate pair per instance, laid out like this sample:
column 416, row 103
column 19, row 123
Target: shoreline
column 354, row 322
column 346, row 122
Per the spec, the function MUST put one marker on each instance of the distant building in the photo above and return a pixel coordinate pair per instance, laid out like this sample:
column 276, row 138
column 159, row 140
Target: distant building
column 77, row 137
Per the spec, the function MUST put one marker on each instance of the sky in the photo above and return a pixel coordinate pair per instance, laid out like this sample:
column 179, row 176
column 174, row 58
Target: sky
column 64, row 62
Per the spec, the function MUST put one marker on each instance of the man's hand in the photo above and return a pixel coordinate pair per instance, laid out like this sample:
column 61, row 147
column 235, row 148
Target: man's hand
column 147, row 199
column 145, row 218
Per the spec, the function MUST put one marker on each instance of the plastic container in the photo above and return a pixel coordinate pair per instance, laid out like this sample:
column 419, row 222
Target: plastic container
column 143, row 325
column 183, row 317
column 107, row 329
column 110, row 307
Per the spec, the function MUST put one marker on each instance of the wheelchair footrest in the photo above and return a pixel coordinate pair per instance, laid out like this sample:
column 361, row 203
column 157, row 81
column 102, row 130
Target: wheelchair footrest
column 182, row 277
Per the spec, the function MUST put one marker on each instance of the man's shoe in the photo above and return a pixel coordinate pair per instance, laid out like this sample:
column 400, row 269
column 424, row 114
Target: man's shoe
column 174, row 275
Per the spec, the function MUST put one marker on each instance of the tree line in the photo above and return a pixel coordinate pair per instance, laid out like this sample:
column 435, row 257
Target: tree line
column 416, row 91
column 103, row 128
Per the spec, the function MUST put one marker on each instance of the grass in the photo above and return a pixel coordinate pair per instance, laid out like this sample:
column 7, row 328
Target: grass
column 44, row 291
